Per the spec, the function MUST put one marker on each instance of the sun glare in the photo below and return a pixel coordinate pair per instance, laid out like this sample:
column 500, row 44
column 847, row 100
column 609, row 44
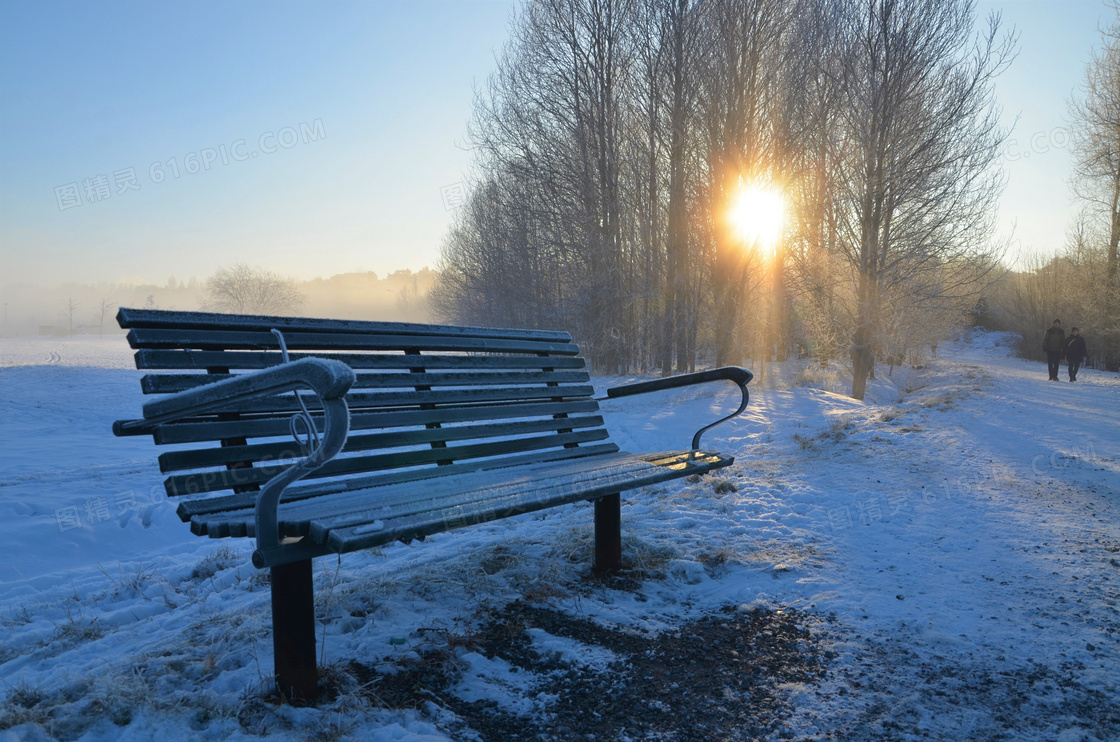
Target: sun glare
column 756, row 216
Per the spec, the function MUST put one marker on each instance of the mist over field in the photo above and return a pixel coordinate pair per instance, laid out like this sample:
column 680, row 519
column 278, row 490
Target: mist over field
column 44, row 310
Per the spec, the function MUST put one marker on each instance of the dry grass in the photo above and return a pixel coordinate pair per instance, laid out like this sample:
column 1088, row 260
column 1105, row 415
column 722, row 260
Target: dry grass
column 724, row 486
column 216, row 561
column 16, row 617
column 131, row 583
column 836, row 432
column 715, row 562
column 24, row 704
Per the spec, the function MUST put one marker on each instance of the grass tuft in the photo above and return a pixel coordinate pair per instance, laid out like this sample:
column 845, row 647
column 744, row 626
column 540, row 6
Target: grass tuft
column 216, row 561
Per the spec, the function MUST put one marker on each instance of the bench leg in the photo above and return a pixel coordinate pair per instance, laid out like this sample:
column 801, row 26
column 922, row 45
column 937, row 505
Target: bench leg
column 608, row 534
column 293, row 631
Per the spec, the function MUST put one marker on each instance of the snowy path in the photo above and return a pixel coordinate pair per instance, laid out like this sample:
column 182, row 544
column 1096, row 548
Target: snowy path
column 974, row 536
column 961, row 545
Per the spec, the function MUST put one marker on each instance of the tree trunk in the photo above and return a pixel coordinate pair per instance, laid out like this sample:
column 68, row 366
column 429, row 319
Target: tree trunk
column 678, row 215
column 1112, row 284
column 861, row 340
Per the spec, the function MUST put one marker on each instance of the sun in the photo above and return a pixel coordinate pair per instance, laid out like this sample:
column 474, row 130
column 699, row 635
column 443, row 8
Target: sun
column 756, row 216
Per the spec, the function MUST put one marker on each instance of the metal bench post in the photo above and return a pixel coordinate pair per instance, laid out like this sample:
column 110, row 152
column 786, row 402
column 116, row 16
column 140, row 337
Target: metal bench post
column 608, row 534
column 293, row 631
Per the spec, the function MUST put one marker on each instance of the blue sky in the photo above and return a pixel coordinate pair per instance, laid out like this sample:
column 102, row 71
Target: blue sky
column 324, row 136
column 1056, row 38
column 384, row 88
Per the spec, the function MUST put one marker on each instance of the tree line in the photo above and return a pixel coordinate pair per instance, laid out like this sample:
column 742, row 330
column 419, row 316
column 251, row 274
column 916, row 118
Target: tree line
column 616, row 137
column 1081, row 283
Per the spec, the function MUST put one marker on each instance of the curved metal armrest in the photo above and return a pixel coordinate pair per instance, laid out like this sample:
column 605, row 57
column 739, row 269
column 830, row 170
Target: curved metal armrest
column 740, row 376
column 328, row 379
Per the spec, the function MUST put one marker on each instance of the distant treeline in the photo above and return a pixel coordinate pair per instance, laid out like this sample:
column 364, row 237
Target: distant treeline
column 84, row 308
column 1075, row 287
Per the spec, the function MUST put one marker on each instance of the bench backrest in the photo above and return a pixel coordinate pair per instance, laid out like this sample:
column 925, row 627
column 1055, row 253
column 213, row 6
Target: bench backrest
column 426, row 396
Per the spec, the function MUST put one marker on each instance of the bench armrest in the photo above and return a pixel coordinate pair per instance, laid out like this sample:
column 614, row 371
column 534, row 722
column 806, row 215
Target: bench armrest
column 740, row 376
column 328, row 379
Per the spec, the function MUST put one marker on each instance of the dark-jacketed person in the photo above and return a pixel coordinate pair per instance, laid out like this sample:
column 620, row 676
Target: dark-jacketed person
column 1075, row 352
column 1053, row 344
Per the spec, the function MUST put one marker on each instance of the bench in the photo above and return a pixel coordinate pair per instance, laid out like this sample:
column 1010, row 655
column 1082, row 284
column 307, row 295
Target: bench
column 408, row 430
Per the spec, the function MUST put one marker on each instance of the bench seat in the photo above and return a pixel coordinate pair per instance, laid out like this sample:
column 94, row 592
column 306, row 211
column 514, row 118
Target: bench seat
column 393, row 511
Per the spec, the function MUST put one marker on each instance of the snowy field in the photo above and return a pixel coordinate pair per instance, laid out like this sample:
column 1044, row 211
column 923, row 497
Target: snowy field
column 949, row 550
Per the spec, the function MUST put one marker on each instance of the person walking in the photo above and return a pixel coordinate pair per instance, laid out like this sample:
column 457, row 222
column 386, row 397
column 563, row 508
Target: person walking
column 1053, row 343
column 1075, row 352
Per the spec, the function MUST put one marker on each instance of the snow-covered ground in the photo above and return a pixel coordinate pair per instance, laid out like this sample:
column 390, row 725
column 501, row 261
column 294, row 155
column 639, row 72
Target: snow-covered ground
column 952, row 544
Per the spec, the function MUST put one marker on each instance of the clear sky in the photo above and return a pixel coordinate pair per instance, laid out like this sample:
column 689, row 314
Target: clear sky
column 1056, row 38
column 150, row 140
column 382, row 89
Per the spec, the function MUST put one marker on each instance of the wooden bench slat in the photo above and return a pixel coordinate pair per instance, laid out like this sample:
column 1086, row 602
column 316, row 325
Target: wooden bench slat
column 250, row 360
column 250, row 340
column 160, row 318
column 675, row 459
column 363, row 401
column 363, row 506
column 206, row 457
column 517, row 501
column 340, row 509
column 171, row 383
column 357, row 507
column 213, row 481
column 316, row 518
column 277, row 425
column 189, row 510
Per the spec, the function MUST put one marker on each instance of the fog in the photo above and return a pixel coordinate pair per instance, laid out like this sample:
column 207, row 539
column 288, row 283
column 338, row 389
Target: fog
column 30, row 309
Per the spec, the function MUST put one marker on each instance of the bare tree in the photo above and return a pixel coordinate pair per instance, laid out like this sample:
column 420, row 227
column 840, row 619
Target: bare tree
column 549, row 131
column 104, row 309
column 739, row 100
column 669, row 41
column 817, row 275
column 1096, row 178
column 69, row 308
column 918, row 181
column 245, row 289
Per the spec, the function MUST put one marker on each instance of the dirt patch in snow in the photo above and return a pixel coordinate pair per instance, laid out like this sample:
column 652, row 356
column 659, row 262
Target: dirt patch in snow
column 894, row 691
column 717, row 677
